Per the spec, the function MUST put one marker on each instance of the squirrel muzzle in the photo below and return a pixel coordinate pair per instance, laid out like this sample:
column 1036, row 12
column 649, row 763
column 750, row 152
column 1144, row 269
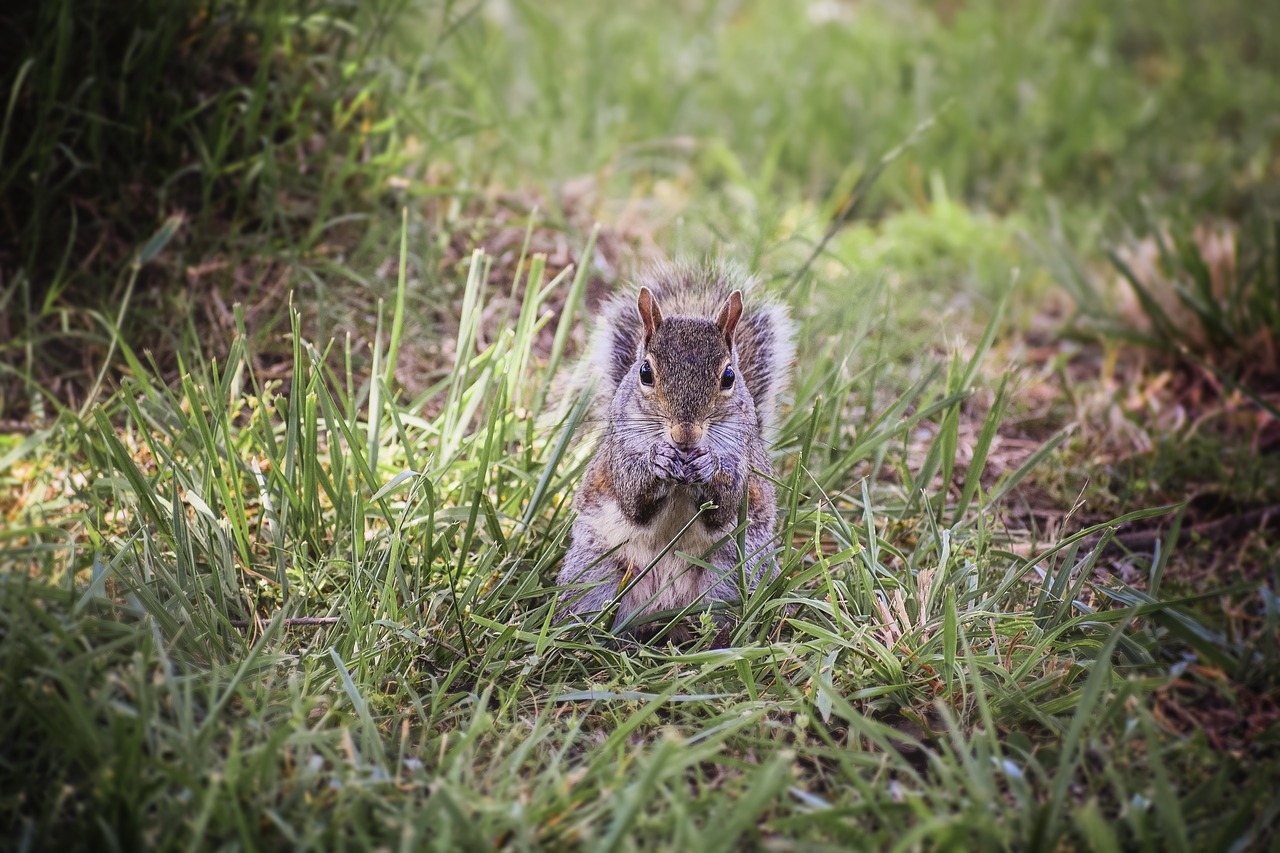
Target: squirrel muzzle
column 686, row 435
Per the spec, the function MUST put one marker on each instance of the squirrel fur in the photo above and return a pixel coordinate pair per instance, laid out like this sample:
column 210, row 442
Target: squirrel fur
column 687, row 369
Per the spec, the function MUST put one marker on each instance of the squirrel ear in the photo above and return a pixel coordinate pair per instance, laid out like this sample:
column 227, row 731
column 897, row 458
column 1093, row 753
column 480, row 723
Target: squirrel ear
column 729, row 315
column 650, row 316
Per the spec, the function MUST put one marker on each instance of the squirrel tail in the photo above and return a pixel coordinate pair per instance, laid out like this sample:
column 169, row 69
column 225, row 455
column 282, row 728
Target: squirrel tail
column 765, row 337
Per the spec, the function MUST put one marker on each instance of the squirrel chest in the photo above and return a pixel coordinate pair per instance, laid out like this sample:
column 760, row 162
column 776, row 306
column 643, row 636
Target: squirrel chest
column 672, row 581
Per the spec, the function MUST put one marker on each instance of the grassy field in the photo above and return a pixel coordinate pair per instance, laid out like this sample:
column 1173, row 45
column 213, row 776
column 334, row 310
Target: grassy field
column 289, row 292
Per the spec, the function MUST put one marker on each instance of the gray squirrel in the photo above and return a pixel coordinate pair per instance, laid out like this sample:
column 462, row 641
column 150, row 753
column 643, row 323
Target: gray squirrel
column 687, row 371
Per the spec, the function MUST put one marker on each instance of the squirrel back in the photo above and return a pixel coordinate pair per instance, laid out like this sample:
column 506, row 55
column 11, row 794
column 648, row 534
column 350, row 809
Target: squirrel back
column 764, row 340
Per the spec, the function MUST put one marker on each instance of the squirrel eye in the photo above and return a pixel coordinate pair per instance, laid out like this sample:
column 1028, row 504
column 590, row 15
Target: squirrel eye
column 726, row 379
column 646, row 373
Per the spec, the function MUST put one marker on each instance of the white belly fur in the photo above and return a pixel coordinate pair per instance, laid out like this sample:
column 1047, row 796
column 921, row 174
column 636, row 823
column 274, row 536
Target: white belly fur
column 672, row 582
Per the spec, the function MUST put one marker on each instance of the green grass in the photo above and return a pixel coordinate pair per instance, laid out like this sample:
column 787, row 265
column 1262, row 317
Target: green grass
column 910, row 677
column 284, row 579
column 119, row 118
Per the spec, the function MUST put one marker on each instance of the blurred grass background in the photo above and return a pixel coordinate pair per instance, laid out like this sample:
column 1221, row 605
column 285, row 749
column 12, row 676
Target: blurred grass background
column 283, row 290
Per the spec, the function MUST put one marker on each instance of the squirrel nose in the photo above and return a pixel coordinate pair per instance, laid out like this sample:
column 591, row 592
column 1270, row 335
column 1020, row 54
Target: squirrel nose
column 686, row 435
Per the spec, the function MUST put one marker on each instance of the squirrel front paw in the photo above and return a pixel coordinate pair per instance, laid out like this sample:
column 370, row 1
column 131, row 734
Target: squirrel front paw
column 690, row 467
column 700, row 465
column 668, row 463
column 687, row 467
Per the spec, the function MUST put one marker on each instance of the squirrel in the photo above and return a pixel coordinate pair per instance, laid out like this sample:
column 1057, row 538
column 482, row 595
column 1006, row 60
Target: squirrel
column 688, row 392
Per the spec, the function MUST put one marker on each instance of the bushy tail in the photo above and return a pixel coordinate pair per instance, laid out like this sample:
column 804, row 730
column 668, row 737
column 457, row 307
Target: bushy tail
column 765, row 337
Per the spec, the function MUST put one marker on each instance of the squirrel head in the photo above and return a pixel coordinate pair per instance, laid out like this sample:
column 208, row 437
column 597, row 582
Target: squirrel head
column 687, row 371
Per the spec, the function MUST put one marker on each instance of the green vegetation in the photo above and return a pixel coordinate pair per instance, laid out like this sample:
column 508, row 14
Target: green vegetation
column 290, row 290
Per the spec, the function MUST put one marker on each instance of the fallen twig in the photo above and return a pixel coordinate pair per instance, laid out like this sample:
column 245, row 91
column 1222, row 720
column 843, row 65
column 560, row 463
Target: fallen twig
column 20, row 427
column 1255, row 519
column 291, row 621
